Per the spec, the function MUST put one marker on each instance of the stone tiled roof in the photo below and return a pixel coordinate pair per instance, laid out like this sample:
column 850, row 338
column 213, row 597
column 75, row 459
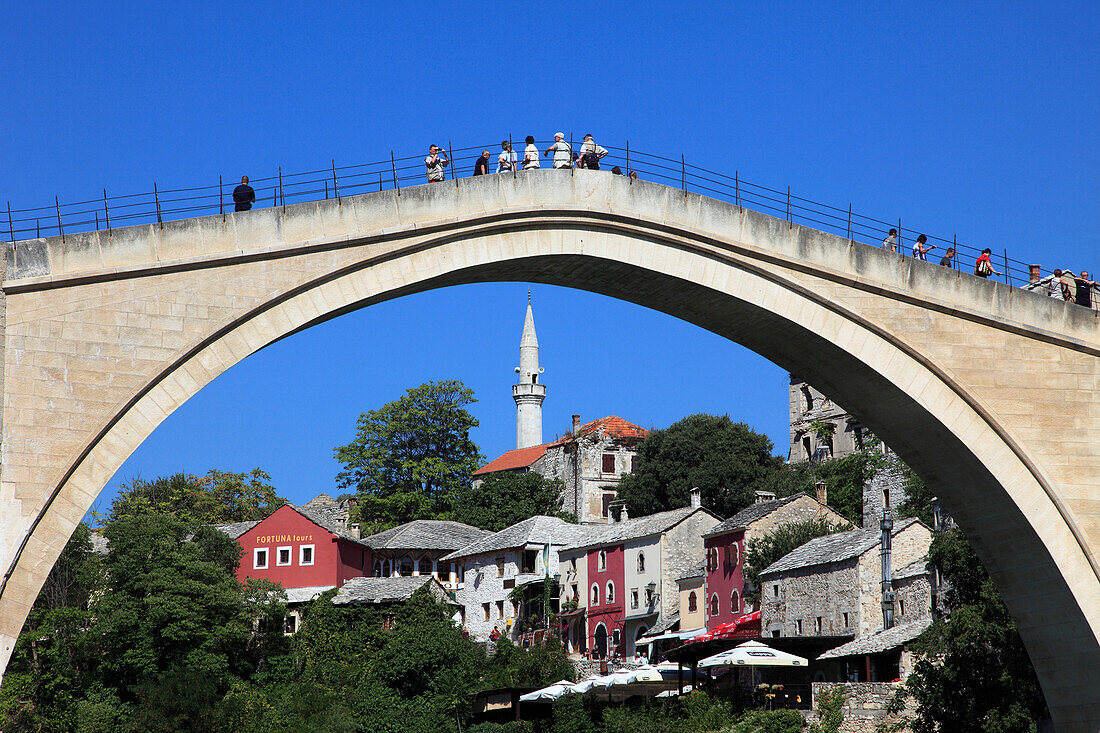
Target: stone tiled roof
column 695, row 571
column 325, row 520
column 513, row 459
column 321, row 499
column 665, row 623
column 379, row 590
column 534, row 530
column 631, row 529
column 752, row 513
column 832, row 548
column 305, row 595
column 881, row 641
column 236, row 529
column 612, row 426
column 426, row 534
column 917, row 567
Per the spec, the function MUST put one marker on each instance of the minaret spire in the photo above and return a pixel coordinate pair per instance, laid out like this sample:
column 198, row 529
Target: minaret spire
column 527, row 392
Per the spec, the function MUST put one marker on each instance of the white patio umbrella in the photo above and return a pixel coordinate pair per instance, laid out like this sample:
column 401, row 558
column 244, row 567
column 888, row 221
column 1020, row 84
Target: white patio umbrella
column 552, row 692
column 753, row 654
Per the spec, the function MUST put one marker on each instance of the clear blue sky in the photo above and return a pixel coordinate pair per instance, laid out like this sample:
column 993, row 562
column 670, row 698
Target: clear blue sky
column 975, row 119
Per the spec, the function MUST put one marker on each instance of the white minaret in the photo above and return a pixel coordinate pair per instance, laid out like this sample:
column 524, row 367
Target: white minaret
column 528, row 393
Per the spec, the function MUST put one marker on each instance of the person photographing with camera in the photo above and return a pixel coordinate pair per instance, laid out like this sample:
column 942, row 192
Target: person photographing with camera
column 435, row 163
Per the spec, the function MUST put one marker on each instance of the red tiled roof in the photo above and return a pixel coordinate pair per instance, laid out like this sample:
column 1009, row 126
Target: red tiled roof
column 612, row 426
column 513, row 459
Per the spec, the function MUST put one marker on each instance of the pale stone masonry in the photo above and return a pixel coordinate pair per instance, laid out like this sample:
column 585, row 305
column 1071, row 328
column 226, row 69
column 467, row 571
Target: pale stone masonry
column 105, row 334
column 820, row 428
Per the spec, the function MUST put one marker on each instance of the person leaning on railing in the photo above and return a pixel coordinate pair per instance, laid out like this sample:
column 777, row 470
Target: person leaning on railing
column 1084, row 289
column 983, row 266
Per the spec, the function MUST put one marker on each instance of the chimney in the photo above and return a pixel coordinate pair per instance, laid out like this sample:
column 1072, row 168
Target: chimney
column 887, row 526
column 1034, row 273
column 822, row 492
column 623, row 516
column 576, row 424
column 696, row 498
column 610, row 514
column 355, row 531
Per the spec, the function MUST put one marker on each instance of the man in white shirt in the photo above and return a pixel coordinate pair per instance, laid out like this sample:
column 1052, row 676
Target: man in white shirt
column 506, row 161
column 588, row 149
column 563, row 154
column 434, row 163
column 530, row 154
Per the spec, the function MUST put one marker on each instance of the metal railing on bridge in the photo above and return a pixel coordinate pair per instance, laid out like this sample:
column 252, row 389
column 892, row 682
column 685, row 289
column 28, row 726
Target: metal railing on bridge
column 335, row 181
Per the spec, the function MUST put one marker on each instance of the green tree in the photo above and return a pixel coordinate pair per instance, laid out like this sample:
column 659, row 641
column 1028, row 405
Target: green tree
column 217, row 497
column 976, row 674
column 502, row 499
column 412, row 457
column 729, row 461
column 763, row 551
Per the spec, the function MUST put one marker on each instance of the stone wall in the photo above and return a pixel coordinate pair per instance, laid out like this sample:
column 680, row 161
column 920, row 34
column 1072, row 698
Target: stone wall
column 483, row 585
column 682, row 551
column 800, row 510
column 828, row 591
column 865, row 704
column 908, row 545
column 889, row 482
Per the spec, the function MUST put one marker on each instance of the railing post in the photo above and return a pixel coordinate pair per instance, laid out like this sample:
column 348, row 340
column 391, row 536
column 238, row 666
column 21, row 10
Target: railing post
column 683, row 175
column 106, row 211
column 379, row 180
column 849, row 222
column 1008, row 272
column 97, row 221
column 901, row 249
column 38, row 229
column 628, row 176
column 57, row 205
column 282, row 196
column 393, row 164
column 451, row 161
column 336, row 184
column 789, row 220
column 156, row 199
column 955, row 246
column 11, row 226
column 737, row 188
column 572, row 165
column 221, row 199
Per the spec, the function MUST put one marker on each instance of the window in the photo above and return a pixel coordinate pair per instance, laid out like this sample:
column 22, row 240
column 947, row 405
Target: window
column 731, row 556
column 845, row 620
column 500, row 609
column 609, row 463
column 633, row 597
column 377, row 568
column 641, row 562
column 576, row 594
column 601, row 560
column 305, row 555
column 610, row 592
column 387, row 569
column 461, row 570
column 901, row 608
column 634, row 464
column 509, row 583
column 775, row 590
column 290, row 624
column 595, row 594
column 712, row 559
column 648, row 596
column 605, row 508
column 693, row 602
column 514, row 610
column 500, row 567
column 798, row 627
column 714, row 605
column 615, row 637
column 530, row 558
column 735, row 602
column 424, row 567
column 817, row 626
column 259, row 558
column 282, row 555
column 406, row 567
column 485, row 610
column 775, row 633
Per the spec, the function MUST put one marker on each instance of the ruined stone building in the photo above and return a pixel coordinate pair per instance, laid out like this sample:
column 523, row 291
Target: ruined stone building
column 820, row 428
column 590, row 459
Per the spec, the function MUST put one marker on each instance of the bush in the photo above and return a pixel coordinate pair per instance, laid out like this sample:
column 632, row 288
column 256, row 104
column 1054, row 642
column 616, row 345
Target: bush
column 769, row 721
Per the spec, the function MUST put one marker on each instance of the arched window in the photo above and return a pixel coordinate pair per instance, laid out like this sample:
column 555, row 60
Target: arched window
column 601, row 560
column 610, row 592
column 424, row 567
column 387, row 569
column 734, row 553
column 406, row 567
column 377, row 572
column 616, row 638
column 595, row 594
column 641, row 562
column 714, row 605
column 735, row 603
column 693, row 602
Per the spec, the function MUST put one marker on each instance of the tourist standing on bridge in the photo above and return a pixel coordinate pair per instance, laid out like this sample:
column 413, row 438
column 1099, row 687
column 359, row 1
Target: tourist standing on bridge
column 891, row 241
column 563, row 154
column 481, row 167
column 920, row 251
column 983, row 266
column 435, row 163
column 506, row 161
column 948, row 259
column 243, row 195
column 1084, row 289
column 530, row 154
column 591, row 153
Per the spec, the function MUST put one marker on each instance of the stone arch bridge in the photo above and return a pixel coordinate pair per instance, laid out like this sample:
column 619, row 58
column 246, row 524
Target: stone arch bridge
column 988, row 392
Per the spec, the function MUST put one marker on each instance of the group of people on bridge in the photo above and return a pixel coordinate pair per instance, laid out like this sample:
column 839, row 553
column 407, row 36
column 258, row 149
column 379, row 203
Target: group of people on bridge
column 508, row 161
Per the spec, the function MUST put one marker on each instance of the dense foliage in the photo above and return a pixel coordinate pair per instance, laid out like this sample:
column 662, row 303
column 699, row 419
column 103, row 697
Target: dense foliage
column 413, row 457
column 763, row 551
column 728, row 461
column 502, row 499
column 218, row 497
column 976, row 675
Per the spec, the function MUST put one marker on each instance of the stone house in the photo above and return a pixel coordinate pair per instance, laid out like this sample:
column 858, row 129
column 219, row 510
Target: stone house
column 522, row 555
column 725, row 545
column 832, row 586
column 692, row 589
column 590, row 461
column 416, row 549
column 623, row 575
column 820, row 428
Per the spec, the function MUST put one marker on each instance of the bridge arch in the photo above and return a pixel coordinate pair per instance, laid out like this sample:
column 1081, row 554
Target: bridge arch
column 952, row 372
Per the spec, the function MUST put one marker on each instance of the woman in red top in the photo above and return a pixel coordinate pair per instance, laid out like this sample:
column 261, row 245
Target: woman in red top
column 983, row 266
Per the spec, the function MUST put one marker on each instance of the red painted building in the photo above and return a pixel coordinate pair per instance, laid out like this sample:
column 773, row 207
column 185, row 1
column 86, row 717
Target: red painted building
column 606, row 591
column 299, row 548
